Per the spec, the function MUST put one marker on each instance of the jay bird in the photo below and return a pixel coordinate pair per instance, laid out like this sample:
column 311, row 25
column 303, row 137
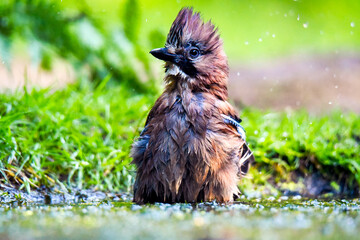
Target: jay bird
column 192, row 148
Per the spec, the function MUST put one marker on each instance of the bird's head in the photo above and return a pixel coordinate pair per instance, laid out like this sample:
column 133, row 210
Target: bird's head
column 194, row 52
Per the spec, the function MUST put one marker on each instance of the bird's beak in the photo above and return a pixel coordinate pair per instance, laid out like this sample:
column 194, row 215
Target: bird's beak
column 163, row 54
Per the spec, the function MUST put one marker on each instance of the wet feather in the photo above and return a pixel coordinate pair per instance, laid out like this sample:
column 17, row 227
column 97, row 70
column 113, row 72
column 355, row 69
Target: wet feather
column 192, row 147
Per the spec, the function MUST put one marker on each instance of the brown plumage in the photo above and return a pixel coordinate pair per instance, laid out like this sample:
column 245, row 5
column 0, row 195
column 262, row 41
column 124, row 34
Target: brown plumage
column 192, row 148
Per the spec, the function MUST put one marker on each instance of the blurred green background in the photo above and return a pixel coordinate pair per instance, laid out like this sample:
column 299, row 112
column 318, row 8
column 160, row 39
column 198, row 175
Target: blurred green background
column 255, row 29
column 250, row 29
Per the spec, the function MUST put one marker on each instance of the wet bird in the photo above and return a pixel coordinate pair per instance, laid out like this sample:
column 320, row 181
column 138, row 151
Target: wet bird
column 192, row 148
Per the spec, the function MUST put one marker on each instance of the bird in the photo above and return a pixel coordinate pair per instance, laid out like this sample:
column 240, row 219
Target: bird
column 193, row 147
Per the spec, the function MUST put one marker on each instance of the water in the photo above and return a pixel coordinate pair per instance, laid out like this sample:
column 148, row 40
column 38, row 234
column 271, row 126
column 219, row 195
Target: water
column 268, row 218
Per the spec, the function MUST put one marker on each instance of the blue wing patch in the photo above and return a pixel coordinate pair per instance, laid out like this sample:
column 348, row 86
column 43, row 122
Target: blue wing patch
column 233, row 122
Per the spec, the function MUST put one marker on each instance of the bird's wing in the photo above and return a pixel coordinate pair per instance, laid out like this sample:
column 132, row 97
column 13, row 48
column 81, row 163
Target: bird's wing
column 246, row 155
column 140, row 145
column 235, row 122
column 148, row 118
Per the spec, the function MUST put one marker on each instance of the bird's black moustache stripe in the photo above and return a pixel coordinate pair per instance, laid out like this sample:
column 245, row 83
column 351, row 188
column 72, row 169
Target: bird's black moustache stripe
column 187, row 67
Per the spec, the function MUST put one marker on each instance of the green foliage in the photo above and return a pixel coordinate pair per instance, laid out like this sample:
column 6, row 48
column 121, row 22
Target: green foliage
column 49, row 31
column 79, row 136
column 296, row 141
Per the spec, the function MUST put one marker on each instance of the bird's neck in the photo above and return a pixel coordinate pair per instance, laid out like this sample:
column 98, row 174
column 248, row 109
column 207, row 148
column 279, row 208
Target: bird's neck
column 185, row 85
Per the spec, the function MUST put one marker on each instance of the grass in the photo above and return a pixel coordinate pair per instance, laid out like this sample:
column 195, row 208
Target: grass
column 81, row 136
column 78, row 137
column 291, row 142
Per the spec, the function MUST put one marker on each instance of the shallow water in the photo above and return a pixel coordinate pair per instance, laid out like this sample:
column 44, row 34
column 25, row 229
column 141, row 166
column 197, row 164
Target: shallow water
column 270, row 218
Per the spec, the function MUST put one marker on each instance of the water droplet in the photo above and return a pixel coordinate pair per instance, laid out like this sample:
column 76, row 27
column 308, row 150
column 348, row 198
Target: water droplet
column 246, row 43
column 273, row 35
column 352, row 24
column 260, row 39
column 271, row 198
column 306, row 25
column 298, row 17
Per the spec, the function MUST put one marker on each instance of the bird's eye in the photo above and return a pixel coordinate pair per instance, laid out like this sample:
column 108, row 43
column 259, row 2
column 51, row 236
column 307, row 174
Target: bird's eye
column 194, row 53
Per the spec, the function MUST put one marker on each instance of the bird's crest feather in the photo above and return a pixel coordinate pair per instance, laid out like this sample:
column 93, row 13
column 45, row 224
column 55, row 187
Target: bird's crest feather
column 188, row 26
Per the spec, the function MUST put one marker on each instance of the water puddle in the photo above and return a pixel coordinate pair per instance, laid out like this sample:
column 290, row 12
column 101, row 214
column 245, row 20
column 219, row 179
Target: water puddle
column 116, row 217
